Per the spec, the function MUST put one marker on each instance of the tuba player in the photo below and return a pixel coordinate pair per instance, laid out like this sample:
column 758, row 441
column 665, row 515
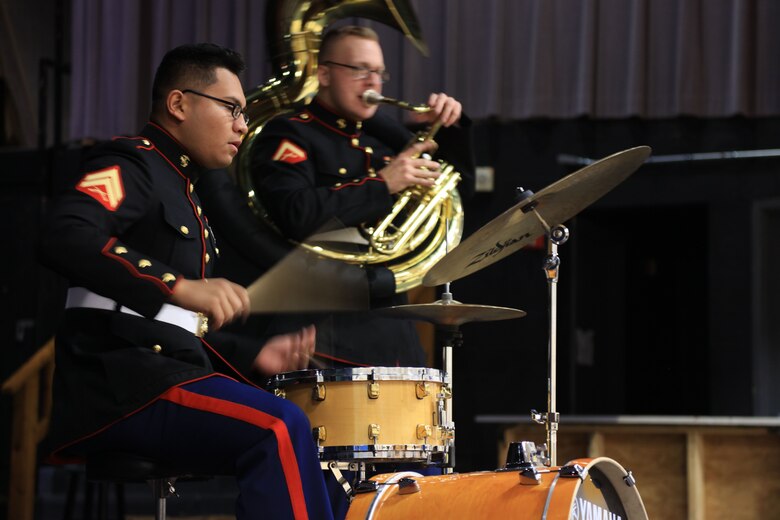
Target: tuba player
column 338, row 159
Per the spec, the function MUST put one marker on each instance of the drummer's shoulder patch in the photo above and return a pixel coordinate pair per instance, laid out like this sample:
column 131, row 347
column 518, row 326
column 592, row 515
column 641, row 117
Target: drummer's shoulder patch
column 289, row 152
column 105, row 186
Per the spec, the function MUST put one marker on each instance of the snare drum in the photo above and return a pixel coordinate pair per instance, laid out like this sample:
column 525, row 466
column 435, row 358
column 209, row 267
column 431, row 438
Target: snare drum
column 381, row 414
column 583, row 489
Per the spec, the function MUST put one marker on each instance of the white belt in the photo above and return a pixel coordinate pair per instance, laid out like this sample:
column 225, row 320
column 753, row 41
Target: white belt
column 194, row 322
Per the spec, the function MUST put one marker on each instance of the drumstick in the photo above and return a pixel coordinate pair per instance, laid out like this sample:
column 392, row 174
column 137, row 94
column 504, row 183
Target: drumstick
column 316, row 363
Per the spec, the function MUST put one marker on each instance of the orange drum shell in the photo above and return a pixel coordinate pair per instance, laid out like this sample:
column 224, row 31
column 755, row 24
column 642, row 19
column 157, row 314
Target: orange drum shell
column 347, row 411
column 490, row 494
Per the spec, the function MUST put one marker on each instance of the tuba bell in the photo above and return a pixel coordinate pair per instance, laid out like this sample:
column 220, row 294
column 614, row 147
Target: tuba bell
column 424, row 223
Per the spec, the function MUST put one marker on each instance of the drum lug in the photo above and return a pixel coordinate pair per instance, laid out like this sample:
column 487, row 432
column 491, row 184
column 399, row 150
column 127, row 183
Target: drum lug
column 629, row 479
column 407, row 486
column 530, row 476
column 279, row 392
column 424, row 431
column 373, row 390
column 373, row 431
column 573, row 471
column 422, row 390
column 318, row 392
column 366, row 486
column 320, row 434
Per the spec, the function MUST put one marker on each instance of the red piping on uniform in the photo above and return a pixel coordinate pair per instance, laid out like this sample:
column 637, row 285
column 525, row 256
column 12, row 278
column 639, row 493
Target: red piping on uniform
column 257, row 418
column 308, row 120
column 130, row 267
column 331, row 128
column 238, row 373
column 55, row 458
column 353, row 184
column 187, row 193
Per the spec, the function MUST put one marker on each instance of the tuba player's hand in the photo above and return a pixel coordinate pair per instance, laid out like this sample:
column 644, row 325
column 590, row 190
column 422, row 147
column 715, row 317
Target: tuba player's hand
column 444, row 109
column 406, row 170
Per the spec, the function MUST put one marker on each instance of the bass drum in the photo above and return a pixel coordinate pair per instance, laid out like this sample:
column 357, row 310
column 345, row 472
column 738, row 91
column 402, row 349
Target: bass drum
column 583, row 489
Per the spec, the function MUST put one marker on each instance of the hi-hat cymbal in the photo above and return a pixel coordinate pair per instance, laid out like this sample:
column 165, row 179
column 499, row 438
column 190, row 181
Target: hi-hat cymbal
column 450, row 312
column 519, row 226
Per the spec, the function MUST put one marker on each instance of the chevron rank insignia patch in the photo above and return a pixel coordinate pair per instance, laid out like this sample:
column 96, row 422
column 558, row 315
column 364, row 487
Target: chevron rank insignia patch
column 105, row 186
column 289, row 152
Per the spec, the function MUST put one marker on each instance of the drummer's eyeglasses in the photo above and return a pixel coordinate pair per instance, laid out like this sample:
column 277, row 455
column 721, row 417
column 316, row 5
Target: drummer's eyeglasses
column 359, row 72
column 235, row 108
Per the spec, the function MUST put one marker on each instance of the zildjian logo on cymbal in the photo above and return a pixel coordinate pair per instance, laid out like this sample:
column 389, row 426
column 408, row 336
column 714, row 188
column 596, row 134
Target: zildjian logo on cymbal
column 500, row 246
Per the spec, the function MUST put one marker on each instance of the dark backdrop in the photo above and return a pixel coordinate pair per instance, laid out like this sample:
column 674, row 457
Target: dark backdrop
column 666, row 285
column 660, row 308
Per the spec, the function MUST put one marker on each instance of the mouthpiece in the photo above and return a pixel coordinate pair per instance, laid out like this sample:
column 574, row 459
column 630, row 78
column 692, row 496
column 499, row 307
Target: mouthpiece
column 372, row 97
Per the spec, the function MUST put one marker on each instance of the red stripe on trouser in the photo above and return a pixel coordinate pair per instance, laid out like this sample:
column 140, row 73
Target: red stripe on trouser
column 263, row 420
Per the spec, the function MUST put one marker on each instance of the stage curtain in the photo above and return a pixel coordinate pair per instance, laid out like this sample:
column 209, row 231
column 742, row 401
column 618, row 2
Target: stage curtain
column 506, row 59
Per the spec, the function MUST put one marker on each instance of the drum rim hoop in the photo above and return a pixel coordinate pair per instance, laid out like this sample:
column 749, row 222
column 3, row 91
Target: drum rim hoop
column 333, row 375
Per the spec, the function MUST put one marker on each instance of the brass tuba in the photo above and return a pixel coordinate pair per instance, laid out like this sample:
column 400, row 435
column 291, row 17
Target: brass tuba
column 424, row 222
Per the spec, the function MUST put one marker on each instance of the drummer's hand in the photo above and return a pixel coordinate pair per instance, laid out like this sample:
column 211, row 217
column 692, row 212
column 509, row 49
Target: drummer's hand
column 286, row 352
column 219, row 299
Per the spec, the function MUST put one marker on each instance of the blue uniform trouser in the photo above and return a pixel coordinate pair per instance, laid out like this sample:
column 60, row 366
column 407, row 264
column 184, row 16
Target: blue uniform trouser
column 219, row 426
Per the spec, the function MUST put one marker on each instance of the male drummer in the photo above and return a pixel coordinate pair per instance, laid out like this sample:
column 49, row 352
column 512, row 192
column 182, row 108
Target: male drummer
column 338, row 158
column 134, row 374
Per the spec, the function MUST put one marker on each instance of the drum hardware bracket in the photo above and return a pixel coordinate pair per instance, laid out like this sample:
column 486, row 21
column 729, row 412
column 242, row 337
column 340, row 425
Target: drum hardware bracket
column 559, row 234
column 336, row 467
column 629, row 479
column 526, row 456
column 552, row 418
column 521, row 194
column 530, row 476
column 343, row 482
column 366, row 486
column 407, row 486
column 573, row 471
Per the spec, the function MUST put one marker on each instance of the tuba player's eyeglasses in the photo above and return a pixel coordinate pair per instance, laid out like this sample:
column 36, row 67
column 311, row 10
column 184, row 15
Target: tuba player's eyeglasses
column 359, row 72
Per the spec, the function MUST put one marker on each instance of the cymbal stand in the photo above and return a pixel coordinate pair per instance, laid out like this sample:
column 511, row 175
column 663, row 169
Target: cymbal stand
column 556, row 236
column 452, row 337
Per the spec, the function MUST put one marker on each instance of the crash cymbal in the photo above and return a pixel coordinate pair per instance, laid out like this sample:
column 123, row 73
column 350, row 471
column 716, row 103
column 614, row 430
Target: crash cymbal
column 519, row 226
column 450, row 312
column 305, row 282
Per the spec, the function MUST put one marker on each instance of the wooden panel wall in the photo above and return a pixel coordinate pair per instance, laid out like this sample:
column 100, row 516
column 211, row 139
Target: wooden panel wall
column 694, row 473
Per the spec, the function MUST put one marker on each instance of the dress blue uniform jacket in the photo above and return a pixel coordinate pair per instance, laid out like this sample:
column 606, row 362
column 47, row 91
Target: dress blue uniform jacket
column 311, row 166
column 129, row 229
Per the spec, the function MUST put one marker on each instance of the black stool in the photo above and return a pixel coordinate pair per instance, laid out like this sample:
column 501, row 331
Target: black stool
column 122, row 468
